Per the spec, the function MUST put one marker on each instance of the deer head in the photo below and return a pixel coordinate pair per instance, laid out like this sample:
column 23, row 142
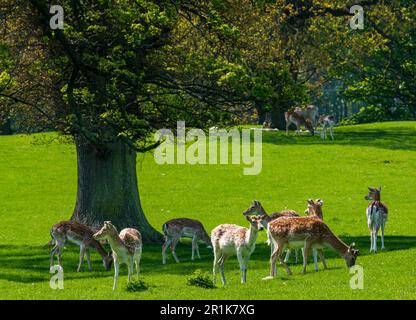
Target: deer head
column 351, row 255
column 314, row 208
column 255, row 222
column 255, row 209
column 373, row 194
column 106, row 232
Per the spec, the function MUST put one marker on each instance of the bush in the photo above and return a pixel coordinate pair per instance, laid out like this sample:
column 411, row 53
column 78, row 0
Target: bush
column 136, row 286
column 201, row 279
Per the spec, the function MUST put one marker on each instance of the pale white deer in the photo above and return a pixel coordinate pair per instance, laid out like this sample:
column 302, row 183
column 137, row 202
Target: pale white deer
column 298, row 120
column 307, row 233
column 229, row 240
column 377, row 213
column 327, row 122
column 257, row 209
column 183, row 227
column 126, row 247
column 81, row 235
column 311, row 112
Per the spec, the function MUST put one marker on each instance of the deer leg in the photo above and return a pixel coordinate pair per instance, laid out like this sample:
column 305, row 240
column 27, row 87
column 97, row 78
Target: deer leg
column 273, row 258
column 82, row 249
column 130, row 268
column 282, row 261
column 116, row 269
column 137, row 259
column 222, row 262
column 315, row 259
column 197, row 249
column 296, row 256
column 375, row 234
column 371, row 240
column 322, row 257
column 87, row 253
column 164, row 247
column 216, row 264
column 172, row 248
column 193, row 247
column 287, row 257
column 306, row 249
column 242, row 267
column 53, row 252
column 382, row 236
column 331, row 130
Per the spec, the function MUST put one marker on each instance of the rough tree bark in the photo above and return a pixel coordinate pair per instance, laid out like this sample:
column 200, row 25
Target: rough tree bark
column 107, row 189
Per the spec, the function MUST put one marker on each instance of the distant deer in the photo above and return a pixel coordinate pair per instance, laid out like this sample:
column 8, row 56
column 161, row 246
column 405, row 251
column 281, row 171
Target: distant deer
column 229, row 240
column 80, row 235
column 377, row 213
column 257, row 209
column 298, row 119
column 311, row 112
column 306, row 232
column 327, row 122
column 183, row 227
column 267, row 124
column 126, row 247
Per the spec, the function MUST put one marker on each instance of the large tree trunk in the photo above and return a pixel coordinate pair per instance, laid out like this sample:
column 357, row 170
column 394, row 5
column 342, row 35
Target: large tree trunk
column 107, row 189
column 278, row 119
column 259, row 105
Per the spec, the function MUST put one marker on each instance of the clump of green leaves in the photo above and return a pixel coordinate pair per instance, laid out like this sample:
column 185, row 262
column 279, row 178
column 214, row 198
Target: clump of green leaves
column 136, row 286
column 201, row 279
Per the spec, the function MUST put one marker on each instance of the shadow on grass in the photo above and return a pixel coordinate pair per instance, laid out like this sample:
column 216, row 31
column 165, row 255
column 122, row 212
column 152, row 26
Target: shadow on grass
column 395, row 138
column 30, row 264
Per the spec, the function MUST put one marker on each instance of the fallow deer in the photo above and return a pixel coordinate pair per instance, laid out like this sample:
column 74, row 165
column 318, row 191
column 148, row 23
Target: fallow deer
column 326, row 122
column 311, row 112
column 81, row 235
column 306, row 232
column 377, row 213
column 257, row 209
column 298, row 119
column 126, row 247
column 229, row 240
column 183, row 227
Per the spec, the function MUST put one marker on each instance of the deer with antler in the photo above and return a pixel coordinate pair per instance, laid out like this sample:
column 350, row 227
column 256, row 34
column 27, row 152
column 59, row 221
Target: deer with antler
column 183, row 227
column 126, row 247
column 376, row 213
column 306, row 232
column 81, row 235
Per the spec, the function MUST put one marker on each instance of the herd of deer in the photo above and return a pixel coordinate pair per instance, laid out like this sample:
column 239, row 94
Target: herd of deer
column 286, row 230
column 309, row 118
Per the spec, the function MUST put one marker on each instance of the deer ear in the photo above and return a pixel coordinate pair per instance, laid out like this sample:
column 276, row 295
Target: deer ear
column 310, row 201
column 320, row 201
column 248, row 218
column 370, row 189
column 352, row 245
column 379, row 189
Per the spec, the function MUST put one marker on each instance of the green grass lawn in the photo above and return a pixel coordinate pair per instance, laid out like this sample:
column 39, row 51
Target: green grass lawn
column 38, row 188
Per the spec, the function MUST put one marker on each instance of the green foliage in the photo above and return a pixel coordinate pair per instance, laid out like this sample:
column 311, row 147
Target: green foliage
column 201, row 279
column 136, row 286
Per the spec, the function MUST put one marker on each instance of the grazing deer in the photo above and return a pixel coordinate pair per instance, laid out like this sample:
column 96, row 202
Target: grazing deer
column 80, row 235
column 126, row 247
column 377, row 213
column 183, row 227
column 311, row 112
column 231, row 239
column 306, row 232
column 298, row 119
column 257, row 209
column 327, row 122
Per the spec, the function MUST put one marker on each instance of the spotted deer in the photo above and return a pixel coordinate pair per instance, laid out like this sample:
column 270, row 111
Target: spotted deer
column 306, row 232
column 298, row 119
column 327, row 121
column 311, row 112
column 81, row 235
column 126, row 247
column 183, row 227
column 376, row 213
column 229, row 240
column 257, row 209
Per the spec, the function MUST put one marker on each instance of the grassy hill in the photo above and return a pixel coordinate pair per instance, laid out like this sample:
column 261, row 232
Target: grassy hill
column 38, row 188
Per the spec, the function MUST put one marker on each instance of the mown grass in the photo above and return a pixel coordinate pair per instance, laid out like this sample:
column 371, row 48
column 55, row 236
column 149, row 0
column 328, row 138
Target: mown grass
column 38, row 188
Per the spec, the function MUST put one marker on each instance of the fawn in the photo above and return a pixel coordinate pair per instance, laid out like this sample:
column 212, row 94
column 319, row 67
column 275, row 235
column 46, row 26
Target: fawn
column 81, row 235
column 376, row 213
column 183, row 227
column 230, row 239
column 126, row 247
column 326, row 122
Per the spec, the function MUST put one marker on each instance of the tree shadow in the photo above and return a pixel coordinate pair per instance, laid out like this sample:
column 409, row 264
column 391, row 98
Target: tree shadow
column 30, row 264
column 395, row 138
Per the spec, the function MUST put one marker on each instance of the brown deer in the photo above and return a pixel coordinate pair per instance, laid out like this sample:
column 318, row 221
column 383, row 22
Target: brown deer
column 376, row 213
column 81, row 235
column 311, row 112
column 183, row 227
column 306, row 232
column 229, row 240
column 126, row 247
column 298, row 119
column 257, row 209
